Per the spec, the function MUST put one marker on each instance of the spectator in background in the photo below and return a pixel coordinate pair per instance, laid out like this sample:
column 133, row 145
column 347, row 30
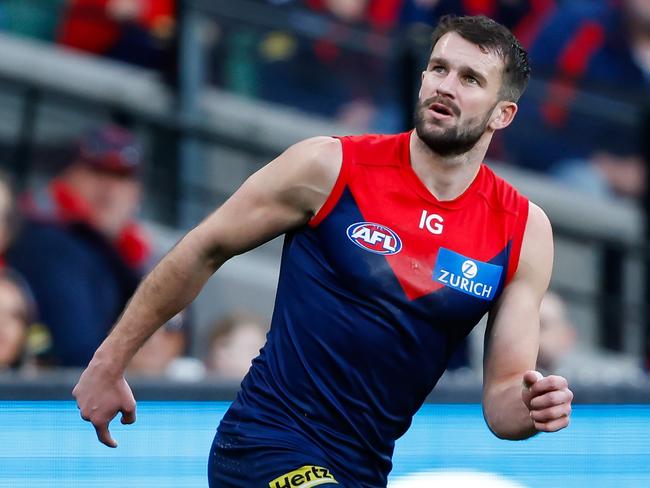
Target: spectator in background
column 379, row 15
column 163, row 355
column 16, row 313
column 364, row 106
column 17, row 307
column 139, row 32
column 557, row 334
column 79, row 248
column 320, row 76
column 235, row 340
column 587, row 49
column 559, row 354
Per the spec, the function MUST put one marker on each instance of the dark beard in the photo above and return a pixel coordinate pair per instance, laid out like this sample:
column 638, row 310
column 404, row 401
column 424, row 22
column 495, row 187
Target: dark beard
column 452, row 141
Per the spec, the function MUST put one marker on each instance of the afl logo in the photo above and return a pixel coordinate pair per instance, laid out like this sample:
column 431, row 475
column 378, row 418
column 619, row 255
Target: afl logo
column 375, row 238
column 469, row 269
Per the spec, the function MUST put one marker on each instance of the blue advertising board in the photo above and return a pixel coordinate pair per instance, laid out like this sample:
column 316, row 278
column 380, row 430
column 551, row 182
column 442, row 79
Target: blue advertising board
column 46, row 444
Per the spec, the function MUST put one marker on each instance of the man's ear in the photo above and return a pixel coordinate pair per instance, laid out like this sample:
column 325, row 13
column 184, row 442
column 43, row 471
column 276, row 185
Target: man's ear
column 503, row 115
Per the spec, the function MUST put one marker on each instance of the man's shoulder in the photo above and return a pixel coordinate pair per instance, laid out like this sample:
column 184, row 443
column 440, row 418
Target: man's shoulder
column 375, row 140
column 537, row 219
column 311, row 160
column 326, row 148
column 376, row 149
column 316, row 149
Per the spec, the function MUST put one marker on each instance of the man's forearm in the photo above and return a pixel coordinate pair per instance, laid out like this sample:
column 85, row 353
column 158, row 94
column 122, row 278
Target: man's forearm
column 169, row 288
column 506, row 414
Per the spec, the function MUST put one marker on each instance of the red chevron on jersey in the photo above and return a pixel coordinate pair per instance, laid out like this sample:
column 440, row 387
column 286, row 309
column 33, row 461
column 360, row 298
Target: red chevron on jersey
column 488, row 218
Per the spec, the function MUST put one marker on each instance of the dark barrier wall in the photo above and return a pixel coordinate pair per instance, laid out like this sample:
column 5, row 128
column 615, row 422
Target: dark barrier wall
column 457, row 388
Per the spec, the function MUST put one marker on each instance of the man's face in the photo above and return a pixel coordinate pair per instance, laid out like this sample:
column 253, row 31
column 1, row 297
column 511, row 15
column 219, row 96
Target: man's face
column 114, row 199
column 460, row 89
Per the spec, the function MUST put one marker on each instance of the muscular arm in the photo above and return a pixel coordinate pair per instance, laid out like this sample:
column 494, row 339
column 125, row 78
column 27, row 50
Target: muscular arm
column 283, row 195
column 517, row 401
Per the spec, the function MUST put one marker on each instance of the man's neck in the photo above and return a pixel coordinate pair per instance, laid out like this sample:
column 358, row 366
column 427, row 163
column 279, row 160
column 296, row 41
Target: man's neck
column 446, row 177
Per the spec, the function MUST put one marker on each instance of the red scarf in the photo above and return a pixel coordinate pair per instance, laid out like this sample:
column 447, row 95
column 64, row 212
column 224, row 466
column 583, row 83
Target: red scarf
column 132, row 243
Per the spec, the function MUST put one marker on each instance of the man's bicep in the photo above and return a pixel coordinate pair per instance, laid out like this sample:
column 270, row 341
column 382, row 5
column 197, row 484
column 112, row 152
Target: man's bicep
column 281, row 196
column 512, row 337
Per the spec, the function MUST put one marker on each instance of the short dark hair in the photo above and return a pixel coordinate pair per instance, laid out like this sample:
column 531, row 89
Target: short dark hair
column 491, row 36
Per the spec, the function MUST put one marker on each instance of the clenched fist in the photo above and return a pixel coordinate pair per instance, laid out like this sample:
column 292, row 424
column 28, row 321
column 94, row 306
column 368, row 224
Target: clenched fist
column 548, row 399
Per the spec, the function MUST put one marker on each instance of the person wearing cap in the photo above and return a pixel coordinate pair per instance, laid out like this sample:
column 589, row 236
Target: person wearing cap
column 80, row 248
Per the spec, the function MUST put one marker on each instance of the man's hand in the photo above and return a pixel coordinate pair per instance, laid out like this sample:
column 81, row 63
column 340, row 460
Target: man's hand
column 100, row 396
column 548, row 399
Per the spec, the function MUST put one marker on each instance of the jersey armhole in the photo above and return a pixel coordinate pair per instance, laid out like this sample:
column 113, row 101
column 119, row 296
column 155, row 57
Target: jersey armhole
column 517, row 239
column 337, row 189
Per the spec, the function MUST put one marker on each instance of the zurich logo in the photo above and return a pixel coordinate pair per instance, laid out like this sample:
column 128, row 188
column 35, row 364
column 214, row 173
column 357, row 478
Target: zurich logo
column 469, row 269
column 375, row 238
column 472, row 277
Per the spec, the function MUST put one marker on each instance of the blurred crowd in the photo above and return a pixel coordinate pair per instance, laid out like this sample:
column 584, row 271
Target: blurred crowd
column 135, row 31
column 73, row 251
column 581, row 123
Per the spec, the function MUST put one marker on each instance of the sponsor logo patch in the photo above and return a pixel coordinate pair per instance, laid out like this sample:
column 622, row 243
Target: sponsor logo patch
column 375, row 238
column 432, row 222
column 304, row 477
column 472, row 277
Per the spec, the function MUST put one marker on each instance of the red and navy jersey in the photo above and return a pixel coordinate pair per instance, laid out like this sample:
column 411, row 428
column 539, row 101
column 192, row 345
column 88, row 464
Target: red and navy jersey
column 373, row 298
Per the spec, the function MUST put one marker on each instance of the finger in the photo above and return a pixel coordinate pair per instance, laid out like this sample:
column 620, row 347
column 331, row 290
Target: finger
column 128, row 416
column 551, row 399
column 547, row 384
column 531, row 377
column 550, row 414
column 552, row 426
column 104, row 435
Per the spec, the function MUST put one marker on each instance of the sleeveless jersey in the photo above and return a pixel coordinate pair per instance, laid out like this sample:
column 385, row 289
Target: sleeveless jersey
column 373, row 297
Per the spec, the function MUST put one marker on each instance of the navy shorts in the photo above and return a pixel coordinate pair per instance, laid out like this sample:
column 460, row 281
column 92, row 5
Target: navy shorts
column 236, row 463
